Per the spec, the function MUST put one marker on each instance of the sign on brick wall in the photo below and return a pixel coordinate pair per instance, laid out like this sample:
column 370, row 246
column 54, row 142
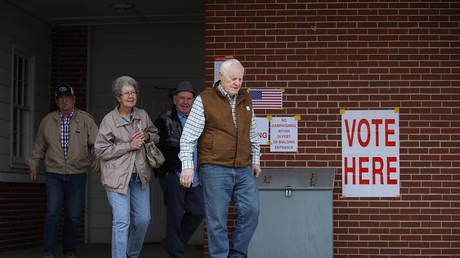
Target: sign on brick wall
column 283, row 134
column 266, row 98
column 370, row 153
column 262, row 129
column 217, row 63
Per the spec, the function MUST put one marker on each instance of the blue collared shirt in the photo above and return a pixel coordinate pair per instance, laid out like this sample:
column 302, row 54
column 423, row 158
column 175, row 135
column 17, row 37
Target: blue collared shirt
column 196, row 178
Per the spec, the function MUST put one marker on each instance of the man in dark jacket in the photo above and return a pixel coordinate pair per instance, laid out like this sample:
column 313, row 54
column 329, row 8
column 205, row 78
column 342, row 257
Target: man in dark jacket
column 184, row 205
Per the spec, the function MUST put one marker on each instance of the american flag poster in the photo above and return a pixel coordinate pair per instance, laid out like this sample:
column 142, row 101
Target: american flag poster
column 266, row 98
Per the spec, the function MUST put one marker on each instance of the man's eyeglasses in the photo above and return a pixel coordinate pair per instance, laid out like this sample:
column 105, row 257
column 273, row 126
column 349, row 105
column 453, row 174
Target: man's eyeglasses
column 129, row 93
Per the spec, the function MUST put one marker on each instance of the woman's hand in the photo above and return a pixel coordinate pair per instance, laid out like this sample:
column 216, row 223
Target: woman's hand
column 136, row 143
column 141, row 135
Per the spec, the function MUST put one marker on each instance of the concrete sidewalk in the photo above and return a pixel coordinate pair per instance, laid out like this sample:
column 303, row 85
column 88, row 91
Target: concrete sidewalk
column 150, row 250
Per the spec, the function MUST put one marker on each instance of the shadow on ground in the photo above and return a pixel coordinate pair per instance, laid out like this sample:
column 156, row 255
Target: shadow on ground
column 150, row 250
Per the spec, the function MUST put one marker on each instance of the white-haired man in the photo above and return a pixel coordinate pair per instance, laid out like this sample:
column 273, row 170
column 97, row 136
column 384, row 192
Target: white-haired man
column 222, row 123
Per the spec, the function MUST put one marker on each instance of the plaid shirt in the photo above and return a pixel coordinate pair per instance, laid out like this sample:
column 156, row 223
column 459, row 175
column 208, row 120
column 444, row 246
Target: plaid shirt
column 195, row 125
column 65, row 131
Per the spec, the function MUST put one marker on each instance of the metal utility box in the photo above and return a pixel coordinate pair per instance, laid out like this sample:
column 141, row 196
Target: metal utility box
column 295, row 218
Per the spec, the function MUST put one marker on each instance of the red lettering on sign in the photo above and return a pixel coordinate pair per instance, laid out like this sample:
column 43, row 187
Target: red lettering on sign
column 350, row 170
column 350, row 137
column 391, row 170
column 376, row 122
column 361, row 142
column 388, row 132
column 363, row 170
column 365, row 140
column 377, row 171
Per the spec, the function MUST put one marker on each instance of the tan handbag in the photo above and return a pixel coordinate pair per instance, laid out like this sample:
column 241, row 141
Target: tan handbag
column 154, row 155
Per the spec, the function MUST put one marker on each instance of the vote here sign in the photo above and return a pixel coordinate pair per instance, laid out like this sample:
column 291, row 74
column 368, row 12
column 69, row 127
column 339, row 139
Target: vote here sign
column 370, row 153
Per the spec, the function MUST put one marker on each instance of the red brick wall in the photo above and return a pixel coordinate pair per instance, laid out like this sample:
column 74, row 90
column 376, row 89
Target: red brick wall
column 22, row 212
column 330, row 55
column 69, row 47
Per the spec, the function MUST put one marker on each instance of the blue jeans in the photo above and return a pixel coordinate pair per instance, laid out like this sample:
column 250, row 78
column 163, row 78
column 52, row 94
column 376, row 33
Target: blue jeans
column 184, row 213
column 220, row 186
column 135, row 205
column 68, row 191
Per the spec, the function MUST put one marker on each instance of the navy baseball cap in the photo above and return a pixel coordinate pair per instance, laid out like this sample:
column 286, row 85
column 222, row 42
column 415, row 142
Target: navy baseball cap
column 64, row 89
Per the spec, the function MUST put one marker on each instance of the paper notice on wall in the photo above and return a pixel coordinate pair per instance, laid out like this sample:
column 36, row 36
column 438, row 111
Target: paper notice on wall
column 370, row 153
column 283, row 134
column 217, row 62
column 262, row 129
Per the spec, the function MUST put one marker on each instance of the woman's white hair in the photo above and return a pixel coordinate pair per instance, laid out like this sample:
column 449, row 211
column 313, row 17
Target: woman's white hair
column 119, row 82
column 226, row 65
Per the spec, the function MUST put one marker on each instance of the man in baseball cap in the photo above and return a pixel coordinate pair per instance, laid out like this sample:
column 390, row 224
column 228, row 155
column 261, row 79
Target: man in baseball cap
column 64, row 89
column 66, row 164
